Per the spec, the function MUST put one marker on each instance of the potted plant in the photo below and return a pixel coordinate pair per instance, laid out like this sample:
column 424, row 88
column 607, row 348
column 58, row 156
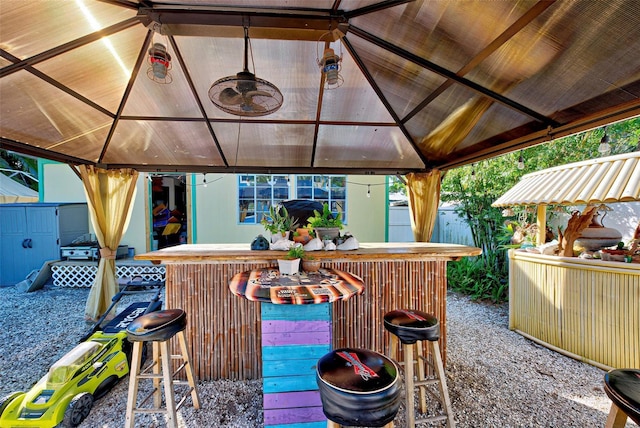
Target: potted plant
column 290, row 265
column 310, row 264
column 279, row 223
column 325, row 225
column 301, row 235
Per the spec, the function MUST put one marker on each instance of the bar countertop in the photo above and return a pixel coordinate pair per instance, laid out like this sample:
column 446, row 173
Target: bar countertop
column 198, row 253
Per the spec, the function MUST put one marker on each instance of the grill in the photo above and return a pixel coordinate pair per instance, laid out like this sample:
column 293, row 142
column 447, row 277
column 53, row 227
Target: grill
column 88, row 251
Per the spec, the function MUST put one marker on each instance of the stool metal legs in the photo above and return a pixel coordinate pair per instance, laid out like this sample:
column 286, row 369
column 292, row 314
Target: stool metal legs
column 161, row 368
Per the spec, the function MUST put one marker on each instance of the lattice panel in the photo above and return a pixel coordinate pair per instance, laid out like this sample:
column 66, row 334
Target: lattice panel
column 74, row 275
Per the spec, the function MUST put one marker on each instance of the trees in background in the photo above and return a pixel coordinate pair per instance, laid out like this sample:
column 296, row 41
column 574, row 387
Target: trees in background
column 473, row 188
column 19, row 168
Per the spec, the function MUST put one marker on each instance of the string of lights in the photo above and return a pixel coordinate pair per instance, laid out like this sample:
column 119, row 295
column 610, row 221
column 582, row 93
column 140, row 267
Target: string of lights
column 206, row 182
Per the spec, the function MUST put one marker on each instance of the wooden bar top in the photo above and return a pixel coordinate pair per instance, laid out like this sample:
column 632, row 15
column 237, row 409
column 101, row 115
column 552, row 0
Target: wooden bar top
column 207, row 253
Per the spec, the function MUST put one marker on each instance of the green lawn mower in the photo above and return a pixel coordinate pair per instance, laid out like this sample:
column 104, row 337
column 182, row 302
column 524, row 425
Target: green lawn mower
column 64, row 396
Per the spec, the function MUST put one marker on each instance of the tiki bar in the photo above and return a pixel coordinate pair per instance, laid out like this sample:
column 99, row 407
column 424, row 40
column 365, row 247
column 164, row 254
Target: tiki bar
column 584, row 300
column 225, row 330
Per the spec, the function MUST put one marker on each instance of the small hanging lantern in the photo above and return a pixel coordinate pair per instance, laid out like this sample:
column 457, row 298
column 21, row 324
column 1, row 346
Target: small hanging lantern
column 330, row 63
column 160, row 62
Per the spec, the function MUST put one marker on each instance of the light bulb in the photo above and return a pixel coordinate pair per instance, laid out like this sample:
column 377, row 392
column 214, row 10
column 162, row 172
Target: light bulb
column 330, row 66
column 604, row 146
column 368, row 191
column 204, row 180
column 520, row 161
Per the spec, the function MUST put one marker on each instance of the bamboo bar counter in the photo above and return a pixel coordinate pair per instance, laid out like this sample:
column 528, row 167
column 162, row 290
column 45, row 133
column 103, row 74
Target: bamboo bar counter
column 586, row 309
column 224, row 330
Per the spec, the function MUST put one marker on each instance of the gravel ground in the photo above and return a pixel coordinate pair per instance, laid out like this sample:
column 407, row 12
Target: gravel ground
column 496, row 377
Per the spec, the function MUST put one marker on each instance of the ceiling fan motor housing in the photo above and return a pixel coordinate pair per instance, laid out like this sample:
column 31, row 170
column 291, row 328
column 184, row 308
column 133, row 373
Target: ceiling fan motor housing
column 246, row 82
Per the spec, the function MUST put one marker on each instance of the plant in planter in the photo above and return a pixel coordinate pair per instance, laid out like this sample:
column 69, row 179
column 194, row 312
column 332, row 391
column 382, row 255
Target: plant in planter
column 310, row 264
column 279, row 223
column 325, row 225
column 302, row 235
column 290, row 265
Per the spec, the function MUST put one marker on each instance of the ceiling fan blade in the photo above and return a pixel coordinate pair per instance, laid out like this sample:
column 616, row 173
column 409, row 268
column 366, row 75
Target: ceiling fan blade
column 253, row 107
column 229, row 96
column 259, row 94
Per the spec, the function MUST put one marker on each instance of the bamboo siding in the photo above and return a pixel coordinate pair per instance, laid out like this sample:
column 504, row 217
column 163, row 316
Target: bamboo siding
column 589, row 310
column 224, row 329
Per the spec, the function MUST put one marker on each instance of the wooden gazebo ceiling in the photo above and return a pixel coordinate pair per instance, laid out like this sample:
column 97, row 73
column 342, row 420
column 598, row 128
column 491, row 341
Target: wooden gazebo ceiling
column 427, row 84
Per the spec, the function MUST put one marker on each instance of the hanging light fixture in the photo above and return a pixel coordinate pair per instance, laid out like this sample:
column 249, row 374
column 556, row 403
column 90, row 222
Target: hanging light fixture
column 604, row 147
column 204, row 179
column 368, row 190
column 330, row 63
column 160, row 64
column 520, row 161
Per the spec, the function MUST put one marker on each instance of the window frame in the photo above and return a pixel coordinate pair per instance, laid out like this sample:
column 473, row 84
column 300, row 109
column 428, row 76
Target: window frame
column 331, row 189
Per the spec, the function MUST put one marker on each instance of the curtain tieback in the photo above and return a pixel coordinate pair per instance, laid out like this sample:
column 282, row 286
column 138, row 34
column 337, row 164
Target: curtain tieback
column 107, row 253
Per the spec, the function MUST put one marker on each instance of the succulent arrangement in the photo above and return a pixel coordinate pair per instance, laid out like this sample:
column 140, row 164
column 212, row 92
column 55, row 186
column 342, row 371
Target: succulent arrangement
column 324, row 218
column 279, row 221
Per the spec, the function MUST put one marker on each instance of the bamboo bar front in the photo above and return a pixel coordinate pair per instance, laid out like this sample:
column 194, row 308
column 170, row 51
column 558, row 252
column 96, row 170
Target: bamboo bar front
column 224, row 330
column 586, row 309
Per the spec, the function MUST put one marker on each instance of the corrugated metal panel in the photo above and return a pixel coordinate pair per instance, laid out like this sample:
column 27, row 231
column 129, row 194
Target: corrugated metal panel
column 603, row 180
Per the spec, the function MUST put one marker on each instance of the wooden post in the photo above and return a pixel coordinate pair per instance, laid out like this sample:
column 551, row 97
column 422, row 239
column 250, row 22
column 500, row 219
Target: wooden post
column 542, row 224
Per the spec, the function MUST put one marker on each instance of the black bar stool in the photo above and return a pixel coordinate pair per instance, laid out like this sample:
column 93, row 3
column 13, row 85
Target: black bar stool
column 411, row 326
column 623, row 388
column 358, row 387
column 158, row 328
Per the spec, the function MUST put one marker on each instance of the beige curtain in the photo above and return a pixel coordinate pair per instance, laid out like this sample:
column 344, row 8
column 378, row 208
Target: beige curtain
column 454, row 129
column 424, row 198
column 110, row 194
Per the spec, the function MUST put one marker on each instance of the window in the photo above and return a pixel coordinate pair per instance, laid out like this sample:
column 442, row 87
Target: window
column 256, row 193
column 331, row 189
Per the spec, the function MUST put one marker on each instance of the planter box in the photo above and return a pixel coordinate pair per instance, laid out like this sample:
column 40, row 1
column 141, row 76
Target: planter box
column 327, row 233
column 288, row 267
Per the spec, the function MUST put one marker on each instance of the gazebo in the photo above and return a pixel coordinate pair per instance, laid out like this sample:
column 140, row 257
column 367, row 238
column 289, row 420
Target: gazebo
column 408, row 88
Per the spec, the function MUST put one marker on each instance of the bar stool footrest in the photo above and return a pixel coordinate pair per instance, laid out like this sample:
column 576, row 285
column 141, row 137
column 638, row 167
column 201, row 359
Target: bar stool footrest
column 184, row 398
column 426, row 382
column 149, row 410
column 437, row 418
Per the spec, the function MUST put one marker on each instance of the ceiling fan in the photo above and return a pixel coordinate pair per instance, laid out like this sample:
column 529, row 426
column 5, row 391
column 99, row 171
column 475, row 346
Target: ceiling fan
column 244, row 94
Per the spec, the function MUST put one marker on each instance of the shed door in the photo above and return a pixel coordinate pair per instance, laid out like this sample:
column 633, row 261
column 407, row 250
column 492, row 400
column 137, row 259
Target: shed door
column 28, row 239
column 42, row 228
column 14, row 258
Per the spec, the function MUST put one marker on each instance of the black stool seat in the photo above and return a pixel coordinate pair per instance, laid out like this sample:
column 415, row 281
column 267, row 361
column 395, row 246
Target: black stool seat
column 157, row 326
column 358, row 387
column 411, row 325
column 623, row 388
